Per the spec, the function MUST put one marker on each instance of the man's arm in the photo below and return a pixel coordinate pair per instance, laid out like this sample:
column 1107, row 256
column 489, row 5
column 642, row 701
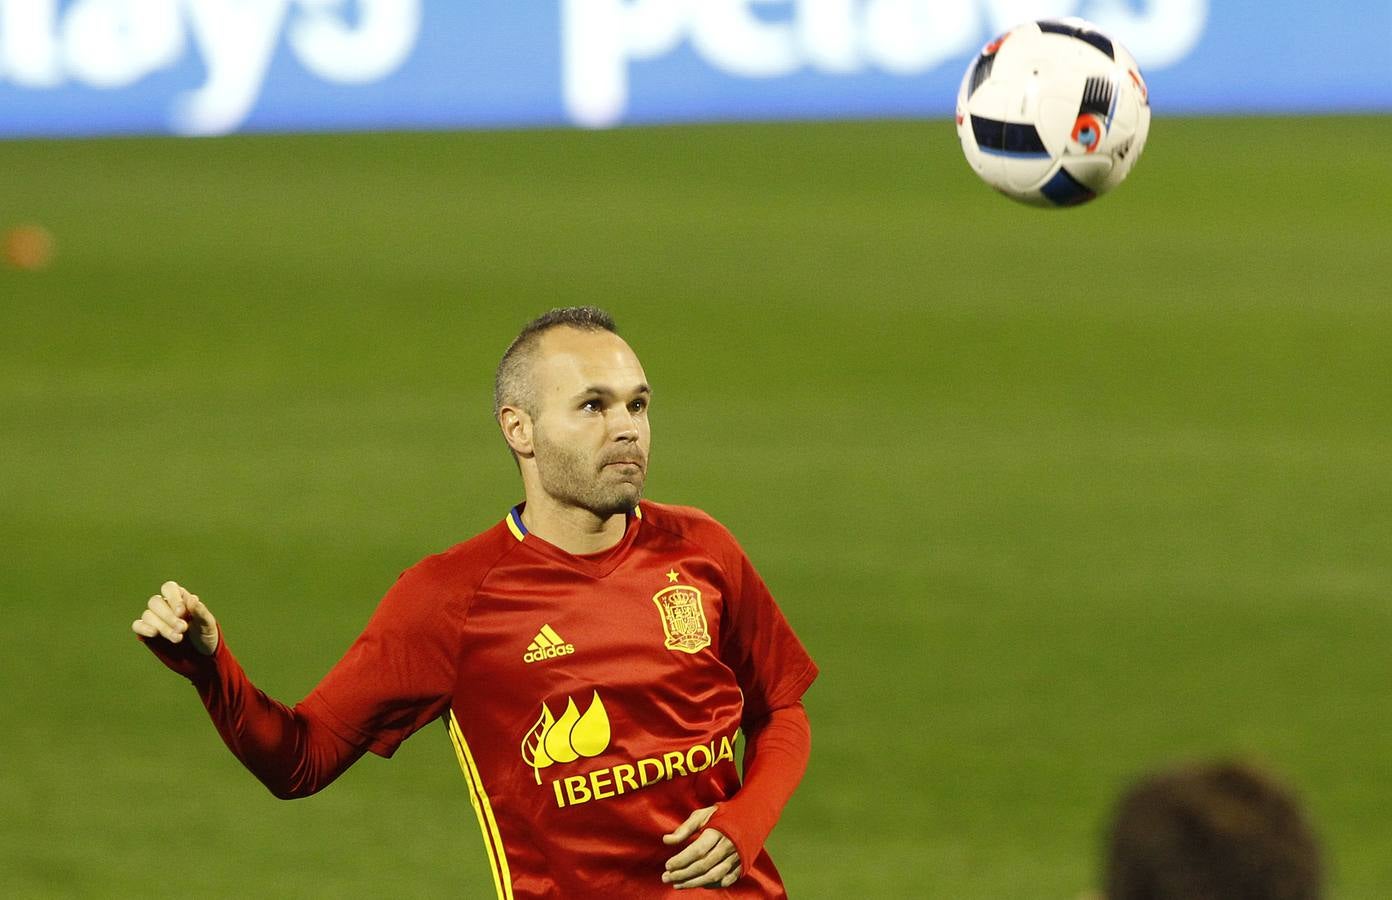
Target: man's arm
column 776, row 750
column 291, row 751
column 773, row 670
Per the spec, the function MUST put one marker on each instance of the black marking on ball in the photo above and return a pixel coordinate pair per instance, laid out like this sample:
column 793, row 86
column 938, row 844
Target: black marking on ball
column 1006, row 137
column 1100, row 41
column 1097, row 96
column 980, row 72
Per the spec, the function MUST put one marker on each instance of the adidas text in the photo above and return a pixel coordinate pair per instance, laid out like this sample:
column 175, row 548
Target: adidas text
column 548, row 653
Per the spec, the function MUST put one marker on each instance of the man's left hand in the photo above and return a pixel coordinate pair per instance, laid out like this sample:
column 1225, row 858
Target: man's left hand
column 709, row 861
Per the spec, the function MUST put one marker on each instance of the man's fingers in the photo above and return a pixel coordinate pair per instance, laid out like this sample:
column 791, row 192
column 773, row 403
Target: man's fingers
column 174, row 596
column 197, row 612
column 706, row 861
column 684, row 830
column 716, row 860
column 175, row 615
column 159, row 608
column 733, row 876
column 692, row 825
column 693, row 851
column 698, row 856
column 190, row 602
column 206, row 633
column 713, row 876
column 160, row 626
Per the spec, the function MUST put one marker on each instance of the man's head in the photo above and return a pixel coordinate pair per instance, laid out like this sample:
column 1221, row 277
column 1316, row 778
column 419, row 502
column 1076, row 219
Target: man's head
column 1222, row 831
column 572, row 401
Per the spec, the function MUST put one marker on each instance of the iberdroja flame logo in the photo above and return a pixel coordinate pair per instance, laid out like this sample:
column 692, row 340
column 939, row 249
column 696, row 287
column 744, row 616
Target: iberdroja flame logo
column 568, row 738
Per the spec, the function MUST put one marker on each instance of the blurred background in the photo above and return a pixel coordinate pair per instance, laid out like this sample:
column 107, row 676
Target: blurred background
column 1052, row 497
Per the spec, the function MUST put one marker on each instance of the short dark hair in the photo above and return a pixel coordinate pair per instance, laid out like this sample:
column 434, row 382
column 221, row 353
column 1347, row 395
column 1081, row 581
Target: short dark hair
column 1215, row 831
column 512, row 383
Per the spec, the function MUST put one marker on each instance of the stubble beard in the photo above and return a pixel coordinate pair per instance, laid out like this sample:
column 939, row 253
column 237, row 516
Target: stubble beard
column 571, row 477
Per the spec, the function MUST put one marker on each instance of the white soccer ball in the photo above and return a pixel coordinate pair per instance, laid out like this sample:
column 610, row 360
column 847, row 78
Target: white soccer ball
column 1053, row 113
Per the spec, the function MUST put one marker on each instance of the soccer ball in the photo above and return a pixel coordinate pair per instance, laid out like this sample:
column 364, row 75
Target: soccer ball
column 1053, row 113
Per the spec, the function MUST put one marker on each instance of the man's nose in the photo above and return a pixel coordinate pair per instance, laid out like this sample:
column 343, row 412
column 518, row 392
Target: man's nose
column 623, row 425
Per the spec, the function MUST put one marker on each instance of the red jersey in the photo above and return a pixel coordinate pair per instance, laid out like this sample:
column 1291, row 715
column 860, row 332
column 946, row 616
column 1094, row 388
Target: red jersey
column 593, row 701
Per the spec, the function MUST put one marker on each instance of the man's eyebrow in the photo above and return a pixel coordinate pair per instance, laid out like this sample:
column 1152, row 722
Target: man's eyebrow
column 601, row 390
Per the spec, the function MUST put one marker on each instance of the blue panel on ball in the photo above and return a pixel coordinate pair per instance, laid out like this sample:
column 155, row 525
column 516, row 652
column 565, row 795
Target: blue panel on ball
column 1065, row 190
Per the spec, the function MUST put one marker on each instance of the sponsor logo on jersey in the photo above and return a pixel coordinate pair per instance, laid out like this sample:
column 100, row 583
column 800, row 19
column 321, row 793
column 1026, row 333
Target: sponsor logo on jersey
column 683, row 618
column 567, row 738
column 547, row 645
column 614, row 781
column 557, row 740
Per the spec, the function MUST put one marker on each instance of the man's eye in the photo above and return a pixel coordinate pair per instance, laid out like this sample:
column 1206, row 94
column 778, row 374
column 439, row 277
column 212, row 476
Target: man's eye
column 590, row 406
column 638, row 405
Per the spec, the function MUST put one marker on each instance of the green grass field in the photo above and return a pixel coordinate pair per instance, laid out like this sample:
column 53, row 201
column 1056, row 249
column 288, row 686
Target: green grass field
column 1052, row 497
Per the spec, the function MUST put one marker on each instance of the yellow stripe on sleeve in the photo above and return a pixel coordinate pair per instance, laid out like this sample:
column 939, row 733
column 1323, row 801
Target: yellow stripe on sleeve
column 492, row 840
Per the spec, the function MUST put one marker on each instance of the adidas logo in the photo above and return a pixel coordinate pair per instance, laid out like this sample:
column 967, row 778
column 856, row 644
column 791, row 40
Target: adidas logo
column 547, row 645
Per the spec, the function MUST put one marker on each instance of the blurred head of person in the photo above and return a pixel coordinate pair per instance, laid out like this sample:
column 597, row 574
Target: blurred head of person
column 1214, row 831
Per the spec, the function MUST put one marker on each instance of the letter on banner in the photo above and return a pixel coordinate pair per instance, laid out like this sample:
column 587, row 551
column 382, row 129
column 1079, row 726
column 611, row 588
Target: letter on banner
column 110, row 44
column 333, row 49
column 598, row 40
column 906, row 37
column 829, row 33
column 28, row 43
column 237, row 39
column 731, row 37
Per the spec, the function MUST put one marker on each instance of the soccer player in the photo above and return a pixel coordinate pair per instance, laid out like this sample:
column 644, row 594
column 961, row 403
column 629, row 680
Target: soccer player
column 1217, row 831
column 592, row 658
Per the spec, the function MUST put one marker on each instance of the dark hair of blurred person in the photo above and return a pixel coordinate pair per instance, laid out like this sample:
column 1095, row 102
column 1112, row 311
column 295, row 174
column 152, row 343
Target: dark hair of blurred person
column 1215, row 831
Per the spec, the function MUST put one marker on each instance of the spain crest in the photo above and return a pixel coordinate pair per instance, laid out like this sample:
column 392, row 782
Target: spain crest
column 683, row 618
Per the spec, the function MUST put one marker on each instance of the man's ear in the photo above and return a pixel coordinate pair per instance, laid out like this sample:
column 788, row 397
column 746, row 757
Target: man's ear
column 517, row 429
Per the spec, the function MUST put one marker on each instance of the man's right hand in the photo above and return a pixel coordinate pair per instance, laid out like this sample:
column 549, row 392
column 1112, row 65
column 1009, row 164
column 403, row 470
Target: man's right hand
column 175, row 615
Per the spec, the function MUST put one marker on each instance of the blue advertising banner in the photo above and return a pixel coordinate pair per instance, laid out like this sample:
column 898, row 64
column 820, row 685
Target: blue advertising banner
column 205, row 67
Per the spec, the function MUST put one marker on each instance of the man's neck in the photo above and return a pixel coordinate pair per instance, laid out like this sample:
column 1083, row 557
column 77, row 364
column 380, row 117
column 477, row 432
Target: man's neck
column 576, row 531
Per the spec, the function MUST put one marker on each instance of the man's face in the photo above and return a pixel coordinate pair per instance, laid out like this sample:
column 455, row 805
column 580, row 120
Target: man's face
column 590, row 425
